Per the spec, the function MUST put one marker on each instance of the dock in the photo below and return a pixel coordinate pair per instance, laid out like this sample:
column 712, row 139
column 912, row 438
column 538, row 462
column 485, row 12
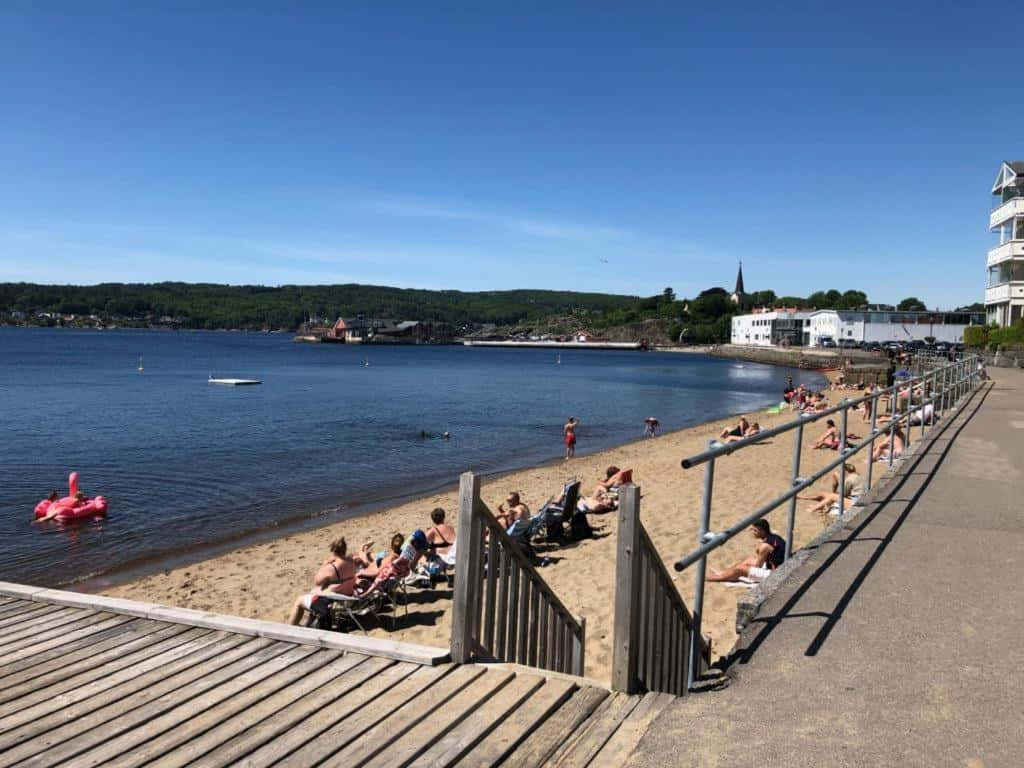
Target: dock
column 88, row 680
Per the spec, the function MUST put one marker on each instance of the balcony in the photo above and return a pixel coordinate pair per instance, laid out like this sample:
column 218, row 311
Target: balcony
column 1008, row 250
column 1006, row 211
column 997, row 294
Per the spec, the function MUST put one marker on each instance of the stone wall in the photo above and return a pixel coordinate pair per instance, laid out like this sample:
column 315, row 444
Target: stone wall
column 860, row 365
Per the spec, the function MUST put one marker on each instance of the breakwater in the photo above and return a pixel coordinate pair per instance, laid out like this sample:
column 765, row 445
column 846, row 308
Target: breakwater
column 858, row 364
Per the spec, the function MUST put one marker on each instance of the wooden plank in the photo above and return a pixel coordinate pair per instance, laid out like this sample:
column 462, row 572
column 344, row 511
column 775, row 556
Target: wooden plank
column 579, row 751
column 491, row 592
column 46, row 626
column 93, row 663
column 154, row 694
column 526, row 588
column 51, row 615
column 304, row 719
column 4, row 600
column 360, row 721
column 25, row 612
column 198, row 714
column 87, row 703
column 513, row 728
column 534, row 619
column 14, row 606
column 543, row 634
column 579, row 656
column 622, row 743
column 513, row 614
column 467, row 733
column 503, row 595
column 43, row 661
column 388, row 732
column 27, row 651
column 319, row 685
column 650, row 647
column 467, row 578
column 561, row 725
column 409, row 749
column 625, row 635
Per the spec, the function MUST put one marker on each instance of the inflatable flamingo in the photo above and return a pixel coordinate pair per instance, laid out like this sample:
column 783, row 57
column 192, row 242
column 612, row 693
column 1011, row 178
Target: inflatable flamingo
column 69, row 508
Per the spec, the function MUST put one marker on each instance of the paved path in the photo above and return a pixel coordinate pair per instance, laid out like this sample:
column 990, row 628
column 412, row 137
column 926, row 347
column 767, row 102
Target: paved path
column 905, row 646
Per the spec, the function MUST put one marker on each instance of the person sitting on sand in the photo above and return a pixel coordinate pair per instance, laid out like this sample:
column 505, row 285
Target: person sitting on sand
column 769, row 554
column 829, row 438
column 371, row 565
column 336, row 574
column 738, row 431
column 853, row 488
column 441, row 535
column 899, row 442
column 752, row 430
column 516, row 510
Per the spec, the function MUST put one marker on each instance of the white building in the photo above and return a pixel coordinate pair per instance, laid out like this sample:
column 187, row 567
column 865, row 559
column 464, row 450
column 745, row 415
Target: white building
column 771, row 328
column 869, row 325
column 1004, row 294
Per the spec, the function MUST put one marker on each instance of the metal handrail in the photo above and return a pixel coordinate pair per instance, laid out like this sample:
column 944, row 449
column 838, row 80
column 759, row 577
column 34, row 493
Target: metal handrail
column 957, row 379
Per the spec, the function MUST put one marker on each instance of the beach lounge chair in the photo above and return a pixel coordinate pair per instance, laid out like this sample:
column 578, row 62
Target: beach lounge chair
column 558, row 512
column 336, row 611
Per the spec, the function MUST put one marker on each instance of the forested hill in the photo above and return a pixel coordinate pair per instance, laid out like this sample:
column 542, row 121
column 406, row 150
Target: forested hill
column 202, row 305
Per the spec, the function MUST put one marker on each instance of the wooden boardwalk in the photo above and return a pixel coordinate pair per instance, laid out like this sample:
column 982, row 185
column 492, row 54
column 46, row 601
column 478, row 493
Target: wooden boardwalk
column 90, row 681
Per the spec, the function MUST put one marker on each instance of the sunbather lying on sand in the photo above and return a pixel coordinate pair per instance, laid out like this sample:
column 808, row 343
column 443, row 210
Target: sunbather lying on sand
column 741, row 427
column 752, row 430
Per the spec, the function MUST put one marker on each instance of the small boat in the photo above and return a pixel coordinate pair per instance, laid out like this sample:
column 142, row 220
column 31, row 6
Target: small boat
column 234, row 382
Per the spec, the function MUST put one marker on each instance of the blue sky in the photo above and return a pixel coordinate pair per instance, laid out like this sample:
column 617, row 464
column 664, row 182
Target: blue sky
column 484, row 146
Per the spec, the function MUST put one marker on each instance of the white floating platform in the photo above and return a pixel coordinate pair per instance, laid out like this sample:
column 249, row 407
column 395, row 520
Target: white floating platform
column 235, row 382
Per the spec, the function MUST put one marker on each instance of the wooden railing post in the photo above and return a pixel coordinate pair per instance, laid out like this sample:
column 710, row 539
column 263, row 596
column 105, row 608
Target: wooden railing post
column 468, row 563
column 627, row 592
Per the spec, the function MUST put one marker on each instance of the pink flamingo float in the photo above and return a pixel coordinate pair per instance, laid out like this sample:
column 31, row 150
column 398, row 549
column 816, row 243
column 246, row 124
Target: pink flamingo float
column 71, row 507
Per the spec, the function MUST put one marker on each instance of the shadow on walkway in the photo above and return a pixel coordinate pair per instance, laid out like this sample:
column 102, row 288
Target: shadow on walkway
column 906, row 480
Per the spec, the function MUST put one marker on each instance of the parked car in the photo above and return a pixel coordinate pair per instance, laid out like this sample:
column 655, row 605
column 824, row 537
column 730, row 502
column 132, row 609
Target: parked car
column 872, row 346
column 848, row 344
column 826, row 342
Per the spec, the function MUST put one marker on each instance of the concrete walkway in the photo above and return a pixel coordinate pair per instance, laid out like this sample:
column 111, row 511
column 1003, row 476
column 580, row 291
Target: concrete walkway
column 901, row 641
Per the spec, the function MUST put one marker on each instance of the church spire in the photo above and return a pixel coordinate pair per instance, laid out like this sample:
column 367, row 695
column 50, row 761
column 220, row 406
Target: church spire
column 739, row 282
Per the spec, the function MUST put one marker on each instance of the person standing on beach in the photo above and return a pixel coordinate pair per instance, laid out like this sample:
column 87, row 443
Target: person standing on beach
column 569, row 432
column 651, row 425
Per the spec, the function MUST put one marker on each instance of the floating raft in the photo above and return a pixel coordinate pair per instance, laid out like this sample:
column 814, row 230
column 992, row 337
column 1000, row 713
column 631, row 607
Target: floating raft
column 235, row 382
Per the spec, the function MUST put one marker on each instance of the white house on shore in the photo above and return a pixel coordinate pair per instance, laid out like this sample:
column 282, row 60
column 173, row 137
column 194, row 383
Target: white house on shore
column 772, row 328
column 1004, row 294
column 794, row 328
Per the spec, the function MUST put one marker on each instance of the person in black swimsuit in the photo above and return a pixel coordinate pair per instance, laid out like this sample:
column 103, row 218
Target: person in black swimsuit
column 440, row 536
column 336, row 574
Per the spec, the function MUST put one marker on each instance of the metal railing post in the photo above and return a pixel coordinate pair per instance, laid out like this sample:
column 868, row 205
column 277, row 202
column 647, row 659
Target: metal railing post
column 698, row 598
column 910, row 410
column 842, row 465
column 871, row 450
column 791, row 518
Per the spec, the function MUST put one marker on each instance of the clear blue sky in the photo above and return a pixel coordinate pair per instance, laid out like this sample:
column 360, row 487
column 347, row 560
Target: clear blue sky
column 487, row 146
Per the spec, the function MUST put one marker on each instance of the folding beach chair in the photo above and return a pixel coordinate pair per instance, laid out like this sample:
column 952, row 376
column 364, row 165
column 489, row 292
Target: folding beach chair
column 557, row 513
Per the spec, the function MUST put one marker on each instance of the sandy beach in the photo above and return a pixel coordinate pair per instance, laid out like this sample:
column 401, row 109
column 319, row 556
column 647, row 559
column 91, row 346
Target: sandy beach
column 263, row 580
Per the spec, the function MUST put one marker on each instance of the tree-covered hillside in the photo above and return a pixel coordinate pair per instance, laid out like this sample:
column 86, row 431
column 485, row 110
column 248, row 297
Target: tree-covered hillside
column 202, row 305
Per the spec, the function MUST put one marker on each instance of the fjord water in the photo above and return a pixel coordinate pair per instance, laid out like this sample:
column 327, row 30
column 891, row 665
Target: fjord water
column 186, row 465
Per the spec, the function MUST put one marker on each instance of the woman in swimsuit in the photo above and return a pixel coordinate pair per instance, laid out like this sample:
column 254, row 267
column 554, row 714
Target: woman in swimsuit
column 336, row 574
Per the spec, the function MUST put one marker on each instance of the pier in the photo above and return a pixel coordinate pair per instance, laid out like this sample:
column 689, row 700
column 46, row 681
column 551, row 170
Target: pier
column 87, row 680
column 556, row 344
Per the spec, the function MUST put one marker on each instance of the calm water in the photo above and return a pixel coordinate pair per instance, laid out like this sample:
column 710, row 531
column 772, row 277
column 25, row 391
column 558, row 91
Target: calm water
column 186, row 465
